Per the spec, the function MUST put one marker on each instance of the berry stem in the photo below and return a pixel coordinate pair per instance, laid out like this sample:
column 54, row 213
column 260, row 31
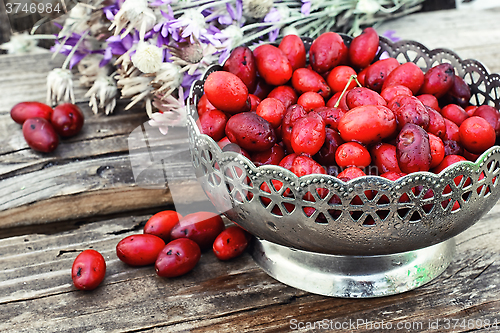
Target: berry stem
column 353, row 77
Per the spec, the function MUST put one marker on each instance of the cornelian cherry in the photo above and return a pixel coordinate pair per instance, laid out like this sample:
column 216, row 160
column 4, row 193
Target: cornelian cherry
column 67, row 119
column 88, row 270
column 230, row 243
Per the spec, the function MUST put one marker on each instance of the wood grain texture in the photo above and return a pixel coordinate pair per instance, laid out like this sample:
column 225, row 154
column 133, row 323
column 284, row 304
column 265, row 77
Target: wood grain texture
column 471, row 34
column 89, row 174
column 37, row 295
column 4, row 25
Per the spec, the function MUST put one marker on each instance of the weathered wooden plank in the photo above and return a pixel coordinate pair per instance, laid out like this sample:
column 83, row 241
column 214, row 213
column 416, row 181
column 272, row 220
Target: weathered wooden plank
column 89, row 187
column 36, row 293
column 4, row 24
column 87, row 174
column 471, row 34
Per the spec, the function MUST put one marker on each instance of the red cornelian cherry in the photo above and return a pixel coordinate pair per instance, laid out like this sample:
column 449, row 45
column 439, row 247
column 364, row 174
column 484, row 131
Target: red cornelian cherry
column 177, row 258
column 88, row 270
column 230, row 243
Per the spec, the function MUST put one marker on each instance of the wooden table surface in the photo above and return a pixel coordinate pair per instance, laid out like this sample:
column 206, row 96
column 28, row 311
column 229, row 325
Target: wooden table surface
column 84, row 195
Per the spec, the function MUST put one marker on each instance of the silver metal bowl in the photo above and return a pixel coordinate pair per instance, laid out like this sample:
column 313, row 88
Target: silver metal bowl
column 347, row 224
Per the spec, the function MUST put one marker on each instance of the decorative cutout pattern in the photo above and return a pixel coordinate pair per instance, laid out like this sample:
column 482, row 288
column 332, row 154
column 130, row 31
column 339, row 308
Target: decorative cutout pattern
column 368, row 215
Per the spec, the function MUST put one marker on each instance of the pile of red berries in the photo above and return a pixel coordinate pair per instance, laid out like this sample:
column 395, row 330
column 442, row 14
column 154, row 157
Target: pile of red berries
column 343, row 113
column 171, row 242
column 43, row 125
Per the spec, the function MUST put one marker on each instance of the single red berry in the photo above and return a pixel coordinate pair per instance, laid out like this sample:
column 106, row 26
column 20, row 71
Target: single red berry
column 364, row 47
column 447, row 161
column 352, row 154
column 201, row 227
column 230, row 243
column 308, row 134
column 272, row 64
column 88, row 270
column 67, row 119
column 40, row 135
column 177, row 258
column 476, row 134
column 227, row 92
column 311, row 100
column 294, row 49
column 139, row 250
column 26, row 110
column 161, row 223
column 338, row 78
column 351, row 173
column 272, row 110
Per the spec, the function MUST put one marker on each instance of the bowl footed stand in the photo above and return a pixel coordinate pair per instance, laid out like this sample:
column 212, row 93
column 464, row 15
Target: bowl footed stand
column 350, row 276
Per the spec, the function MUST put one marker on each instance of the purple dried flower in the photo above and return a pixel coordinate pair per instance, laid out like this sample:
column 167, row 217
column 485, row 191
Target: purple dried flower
column 225, row 20
column 81, row 52
column 306, row 7
column 391, row 35
column 110, row 11
column 190, row 25
column 188, row 80
column 235, row 13
column 163, row 30
column 117, row 46
column 271, row 17
column 158, row 3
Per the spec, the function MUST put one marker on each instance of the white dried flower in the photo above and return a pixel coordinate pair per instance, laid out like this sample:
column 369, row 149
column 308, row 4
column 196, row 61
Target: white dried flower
column 77, row 20
column 172, row 111
column 60, row 86
column 148, row 58
column 191, row 57
column 162, row 120
column 257, row 8
column 234, row 35
column 90, row 69
column 289, row 30
column 367, row 7
column 284, row 11
column 134, row 14
column 168, row 78
column 103, row 95
column 123, row 63
column 192, row 24
column 22, row 43
column 137, row 86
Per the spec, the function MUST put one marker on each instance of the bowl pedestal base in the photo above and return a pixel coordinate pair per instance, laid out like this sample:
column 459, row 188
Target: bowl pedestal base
column 350, row 276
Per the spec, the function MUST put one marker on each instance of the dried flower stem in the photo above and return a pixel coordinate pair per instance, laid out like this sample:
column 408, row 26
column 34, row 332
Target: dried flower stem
column 73, row 50
column 205, row 6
